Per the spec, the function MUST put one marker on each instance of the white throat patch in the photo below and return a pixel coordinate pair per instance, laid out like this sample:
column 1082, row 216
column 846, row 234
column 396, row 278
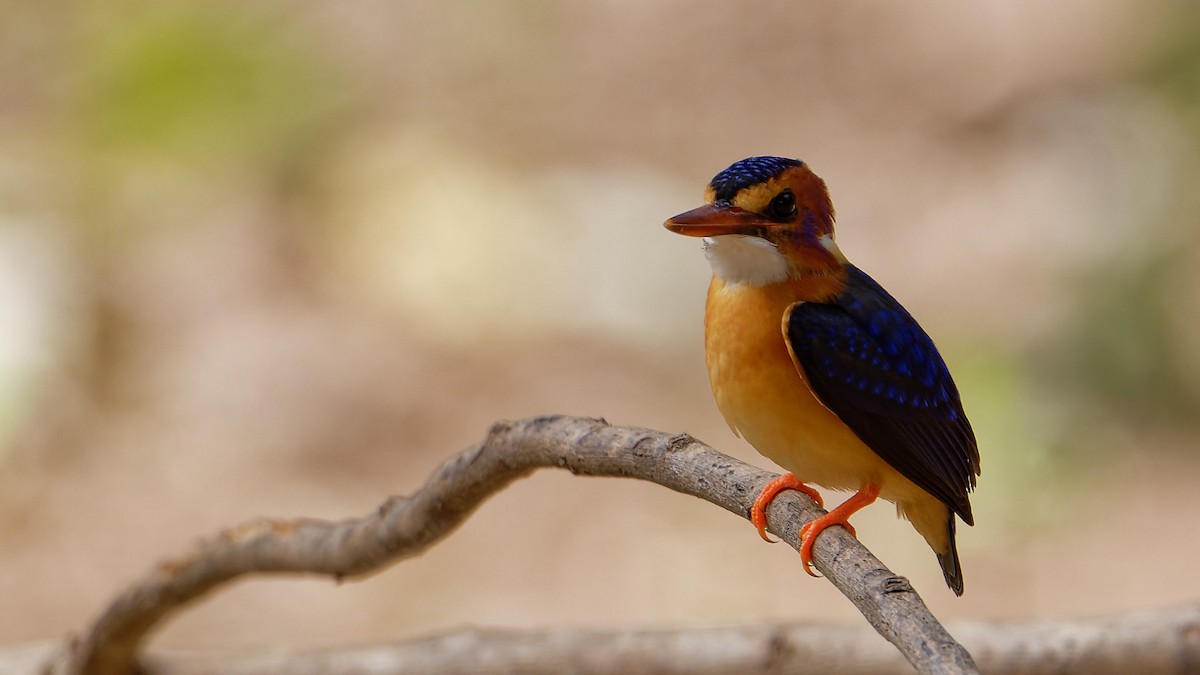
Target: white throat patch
column 742, row 259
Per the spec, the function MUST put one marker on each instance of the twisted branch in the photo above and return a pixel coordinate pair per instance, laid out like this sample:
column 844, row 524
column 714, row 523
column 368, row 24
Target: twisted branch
column 406, row 526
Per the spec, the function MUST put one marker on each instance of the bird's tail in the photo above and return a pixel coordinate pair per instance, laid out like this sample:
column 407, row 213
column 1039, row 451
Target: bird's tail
column 949, row 560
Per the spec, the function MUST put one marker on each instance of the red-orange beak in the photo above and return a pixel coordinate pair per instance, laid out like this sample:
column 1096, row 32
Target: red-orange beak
column 715, row 219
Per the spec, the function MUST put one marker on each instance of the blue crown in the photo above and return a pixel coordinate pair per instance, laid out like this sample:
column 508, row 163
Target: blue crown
column 747, row 172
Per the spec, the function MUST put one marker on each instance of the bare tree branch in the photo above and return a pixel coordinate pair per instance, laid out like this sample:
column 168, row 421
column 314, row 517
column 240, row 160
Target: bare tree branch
column 1164, row 642
column 405, row 526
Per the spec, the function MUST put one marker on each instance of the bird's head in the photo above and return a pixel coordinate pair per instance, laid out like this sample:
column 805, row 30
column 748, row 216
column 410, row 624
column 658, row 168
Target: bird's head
column 766, row 219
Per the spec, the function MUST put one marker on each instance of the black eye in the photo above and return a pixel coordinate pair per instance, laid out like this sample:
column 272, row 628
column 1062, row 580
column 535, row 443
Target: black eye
column 782, row 207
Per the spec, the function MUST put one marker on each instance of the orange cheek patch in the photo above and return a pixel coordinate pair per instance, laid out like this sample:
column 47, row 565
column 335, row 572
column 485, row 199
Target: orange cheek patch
column 756, row 197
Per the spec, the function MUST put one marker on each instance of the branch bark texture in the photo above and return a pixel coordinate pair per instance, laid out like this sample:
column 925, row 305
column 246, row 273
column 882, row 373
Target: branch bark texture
column 406, row 526
column 1163, row 642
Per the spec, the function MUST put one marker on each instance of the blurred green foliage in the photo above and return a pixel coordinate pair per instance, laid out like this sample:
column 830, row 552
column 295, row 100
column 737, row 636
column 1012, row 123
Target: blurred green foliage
column 1124, row 350
column 1125, row 347
column 198, row 84
column 1021, row 440
column 1173, row 64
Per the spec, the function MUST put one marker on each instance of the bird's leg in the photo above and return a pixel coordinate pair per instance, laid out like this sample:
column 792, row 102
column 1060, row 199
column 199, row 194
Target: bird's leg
column 788, row 481
column 839, row 516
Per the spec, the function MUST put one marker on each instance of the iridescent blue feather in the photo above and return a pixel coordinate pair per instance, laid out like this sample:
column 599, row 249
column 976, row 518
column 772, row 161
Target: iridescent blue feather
column 747, row 172
column 871, row 364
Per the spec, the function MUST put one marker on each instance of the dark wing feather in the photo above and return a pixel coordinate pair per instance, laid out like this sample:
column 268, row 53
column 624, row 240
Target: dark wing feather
column 871, row 364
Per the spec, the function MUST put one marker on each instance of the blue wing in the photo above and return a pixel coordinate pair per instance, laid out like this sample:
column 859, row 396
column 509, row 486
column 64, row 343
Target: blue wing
column 871, row 364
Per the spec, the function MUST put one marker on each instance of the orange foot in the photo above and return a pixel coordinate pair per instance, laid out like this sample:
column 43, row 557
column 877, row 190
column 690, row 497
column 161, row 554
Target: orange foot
column 788, row 481
column 839, row 516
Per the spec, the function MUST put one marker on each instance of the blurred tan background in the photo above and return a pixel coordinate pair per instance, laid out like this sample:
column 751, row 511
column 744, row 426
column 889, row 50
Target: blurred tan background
column 282, row 258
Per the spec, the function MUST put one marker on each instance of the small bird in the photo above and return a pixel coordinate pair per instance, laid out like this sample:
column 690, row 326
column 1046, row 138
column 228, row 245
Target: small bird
column 819, row 368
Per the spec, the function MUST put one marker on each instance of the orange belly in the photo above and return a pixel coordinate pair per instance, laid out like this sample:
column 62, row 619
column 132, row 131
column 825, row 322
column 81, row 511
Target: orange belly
column 765, row 399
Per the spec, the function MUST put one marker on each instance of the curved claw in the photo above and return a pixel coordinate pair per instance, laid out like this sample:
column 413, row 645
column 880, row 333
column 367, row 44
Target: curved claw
column 787, row 481
column 758, row 516
column 808, row 535
column 839, row 516
column 806, row 543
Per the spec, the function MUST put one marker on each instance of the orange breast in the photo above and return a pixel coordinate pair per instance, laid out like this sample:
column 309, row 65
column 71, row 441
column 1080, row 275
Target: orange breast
column 766, row 400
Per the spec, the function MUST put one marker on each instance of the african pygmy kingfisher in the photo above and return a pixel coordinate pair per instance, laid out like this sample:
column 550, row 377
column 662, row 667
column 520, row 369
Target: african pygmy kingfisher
column 819, row 368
